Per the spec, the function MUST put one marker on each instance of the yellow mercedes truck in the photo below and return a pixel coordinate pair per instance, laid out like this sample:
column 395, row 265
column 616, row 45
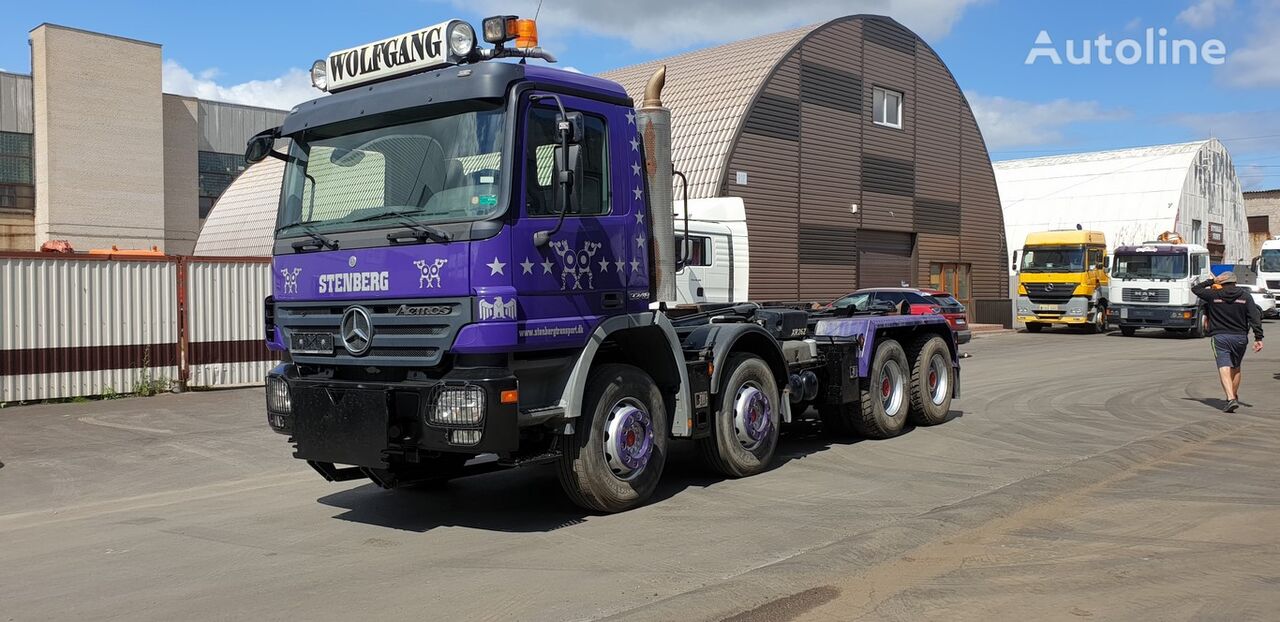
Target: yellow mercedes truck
column 1062, row 279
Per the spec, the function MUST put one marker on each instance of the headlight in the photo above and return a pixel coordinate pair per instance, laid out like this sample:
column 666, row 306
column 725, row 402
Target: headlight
column 320, row 75
column 278, row 399
column 458, row 406
column 462, row 39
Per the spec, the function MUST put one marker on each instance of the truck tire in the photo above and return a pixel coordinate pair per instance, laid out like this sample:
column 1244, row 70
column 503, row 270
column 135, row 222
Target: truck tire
column 1034, row 327
column 885, row 397
column 744, row 433
column 1128, row 331
column 932, row 377
column 1099, row 323
column 614, row 458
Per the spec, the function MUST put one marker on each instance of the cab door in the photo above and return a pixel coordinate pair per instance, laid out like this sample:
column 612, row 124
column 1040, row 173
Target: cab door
column 583, row 275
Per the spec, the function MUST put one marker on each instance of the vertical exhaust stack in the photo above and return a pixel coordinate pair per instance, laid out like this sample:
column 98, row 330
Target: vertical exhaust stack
column 654, row 124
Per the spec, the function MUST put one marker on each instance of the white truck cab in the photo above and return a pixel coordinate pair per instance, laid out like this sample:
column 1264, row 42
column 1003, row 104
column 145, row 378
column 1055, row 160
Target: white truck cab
column 1151, row 286
column 717, row 264
column 1269, row 266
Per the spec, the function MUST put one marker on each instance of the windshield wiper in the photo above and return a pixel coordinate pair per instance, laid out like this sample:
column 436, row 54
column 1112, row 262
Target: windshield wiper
column 406, row 218
column 319, row 238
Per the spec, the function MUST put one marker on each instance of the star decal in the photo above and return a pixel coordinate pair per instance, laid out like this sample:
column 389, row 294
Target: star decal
column 640, row 241
column 620, row 263
column 631, row 117
column 639, row 217
column 635, row 144
column 496, row 267
column 604, row 265
column 635, row 265
column 638, row 192
column 635, row 169
column 546, row 266
column 526, row 266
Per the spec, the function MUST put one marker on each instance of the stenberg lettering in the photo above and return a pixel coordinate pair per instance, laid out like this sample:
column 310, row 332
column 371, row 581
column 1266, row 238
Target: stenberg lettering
column 350, row 282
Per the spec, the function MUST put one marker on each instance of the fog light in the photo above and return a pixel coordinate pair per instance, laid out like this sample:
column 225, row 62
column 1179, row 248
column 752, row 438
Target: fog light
column 278, row 399
column 459, row 406
column 465, row 437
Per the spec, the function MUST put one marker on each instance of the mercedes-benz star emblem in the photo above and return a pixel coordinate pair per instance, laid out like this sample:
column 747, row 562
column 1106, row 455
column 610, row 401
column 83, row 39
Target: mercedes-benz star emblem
column 356, row 331
column 1048, row 287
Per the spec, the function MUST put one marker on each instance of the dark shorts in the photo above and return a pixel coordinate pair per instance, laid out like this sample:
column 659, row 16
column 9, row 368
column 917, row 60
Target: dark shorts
column 1228, row 350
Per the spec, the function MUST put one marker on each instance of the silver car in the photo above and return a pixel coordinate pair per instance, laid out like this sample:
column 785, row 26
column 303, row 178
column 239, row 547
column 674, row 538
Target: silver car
column 1264, row 299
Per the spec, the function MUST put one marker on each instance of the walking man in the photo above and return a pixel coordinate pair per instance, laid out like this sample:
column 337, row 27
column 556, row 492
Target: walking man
column 1231, row 312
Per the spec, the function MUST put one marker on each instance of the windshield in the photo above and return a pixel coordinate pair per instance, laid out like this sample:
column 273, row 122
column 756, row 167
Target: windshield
column 428, row 171
column 1150, row 266
column 1270, row 260
column 1053, row 259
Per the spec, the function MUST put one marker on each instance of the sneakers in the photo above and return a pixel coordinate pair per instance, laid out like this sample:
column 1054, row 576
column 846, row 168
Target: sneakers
column 1231, row 406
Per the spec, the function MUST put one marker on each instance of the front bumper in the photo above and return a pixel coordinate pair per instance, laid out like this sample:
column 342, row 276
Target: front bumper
column 1154, row 316
column 373, row 424
column 1077, row 310
column 963, row 336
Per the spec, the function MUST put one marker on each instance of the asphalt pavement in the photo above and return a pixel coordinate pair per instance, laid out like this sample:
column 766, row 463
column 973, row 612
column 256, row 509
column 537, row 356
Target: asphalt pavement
column 1081, row 476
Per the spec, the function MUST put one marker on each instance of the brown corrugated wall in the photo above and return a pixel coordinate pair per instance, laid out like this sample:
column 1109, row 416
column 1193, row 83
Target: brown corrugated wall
column 811, row 152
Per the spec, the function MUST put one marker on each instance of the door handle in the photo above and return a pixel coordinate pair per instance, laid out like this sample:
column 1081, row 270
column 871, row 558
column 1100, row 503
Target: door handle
column 611, row 300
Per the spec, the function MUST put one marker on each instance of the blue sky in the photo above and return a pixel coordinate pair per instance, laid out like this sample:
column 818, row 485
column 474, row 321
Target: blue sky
column 255, row 52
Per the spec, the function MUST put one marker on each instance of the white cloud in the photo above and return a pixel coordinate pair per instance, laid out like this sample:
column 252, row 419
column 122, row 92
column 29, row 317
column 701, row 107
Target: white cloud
column 1248, row 132
column 1007, row 123
column 1204, row 13
column 661, row 25
column 283, row 92
column 1254, row 65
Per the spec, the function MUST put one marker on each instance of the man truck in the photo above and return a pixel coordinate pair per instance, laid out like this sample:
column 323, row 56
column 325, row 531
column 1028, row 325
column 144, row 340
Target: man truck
column 1062, row 279
column 1154, row 282
column 465, row 260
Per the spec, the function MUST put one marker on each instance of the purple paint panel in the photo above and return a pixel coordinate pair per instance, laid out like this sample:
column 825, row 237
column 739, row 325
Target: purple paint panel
column 867, row 325
column 420, row 270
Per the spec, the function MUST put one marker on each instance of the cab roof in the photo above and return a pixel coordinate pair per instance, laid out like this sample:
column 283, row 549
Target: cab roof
column 1066, row 237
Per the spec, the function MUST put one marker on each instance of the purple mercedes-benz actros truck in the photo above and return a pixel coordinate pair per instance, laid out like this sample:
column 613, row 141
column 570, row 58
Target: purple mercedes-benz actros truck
column 472, row 266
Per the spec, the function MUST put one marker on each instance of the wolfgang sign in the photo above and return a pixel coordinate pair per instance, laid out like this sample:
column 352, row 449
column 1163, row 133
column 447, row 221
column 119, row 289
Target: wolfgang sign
column 412, row 51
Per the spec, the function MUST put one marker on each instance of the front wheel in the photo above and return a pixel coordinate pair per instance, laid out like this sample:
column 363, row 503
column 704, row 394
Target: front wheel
column 1099, row 323
column 614, row 458
column 1033, row 327
column 1128, row 331
column 744, row 434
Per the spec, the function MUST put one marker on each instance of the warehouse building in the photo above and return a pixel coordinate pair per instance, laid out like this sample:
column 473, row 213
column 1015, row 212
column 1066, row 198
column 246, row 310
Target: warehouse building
column 1263, row 209
column 857, row 157
column 1131, row 195
column 853, row 148
column 93, row 152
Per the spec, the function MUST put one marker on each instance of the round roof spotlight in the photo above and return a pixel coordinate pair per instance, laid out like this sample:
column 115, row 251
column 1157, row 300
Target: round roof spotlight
column 462, row 39
column 320, row 75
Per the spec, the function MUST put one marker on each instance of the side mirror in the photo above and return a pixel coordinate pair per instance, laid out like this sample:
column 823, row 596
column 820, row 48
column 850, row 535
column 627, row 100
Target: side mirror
column 1015, row 261
column 261, row 145
column 570, row 180
column 572, row 126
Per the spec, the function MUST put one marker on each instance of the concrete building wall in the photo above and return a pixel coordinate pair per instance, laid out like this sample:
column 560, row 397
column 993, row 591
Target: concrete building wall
column 1264, row 203
column 17, row 232
column 99, row 140
column 181, row 139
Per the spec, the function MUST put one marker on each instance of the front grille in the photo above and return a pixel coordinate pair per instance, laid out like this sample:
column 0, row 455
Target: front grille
column 398, row 340
column 1273, row 284
column 1050, row 293
column 1137, row 294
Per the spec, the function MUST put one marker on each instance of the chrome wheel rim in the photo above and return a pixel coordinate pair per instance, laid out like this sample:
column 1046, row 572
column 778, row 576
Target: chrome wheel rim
column 891, row 387
column 628, row 442
column 938, row 380
column 752, row 416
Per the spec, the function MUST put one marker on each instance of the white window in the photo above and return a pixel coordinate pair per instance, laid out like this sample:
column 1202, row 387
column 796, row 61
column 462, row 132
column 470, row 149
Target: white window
column 887, row 108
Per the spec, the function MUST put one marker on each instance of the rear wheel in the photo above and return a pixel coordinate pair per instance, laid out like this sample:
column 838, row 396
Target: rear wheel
column 614, row 458
column 886, row 397
column 1034, row 327
column 744, row 434
column 932, row 377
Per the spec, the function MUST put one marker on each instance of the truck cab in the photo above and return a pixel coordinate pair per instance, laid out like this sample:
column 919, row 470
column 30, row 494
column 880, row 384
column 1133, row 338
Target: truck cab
column 1268, row 266
column 1153, row 282
column 1062, row 279
column 472, row 265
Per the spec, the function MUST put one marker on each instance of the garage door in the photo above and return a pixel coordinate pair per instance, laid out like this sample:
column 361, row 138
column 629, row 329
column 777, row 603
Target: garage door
column 884, row 258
